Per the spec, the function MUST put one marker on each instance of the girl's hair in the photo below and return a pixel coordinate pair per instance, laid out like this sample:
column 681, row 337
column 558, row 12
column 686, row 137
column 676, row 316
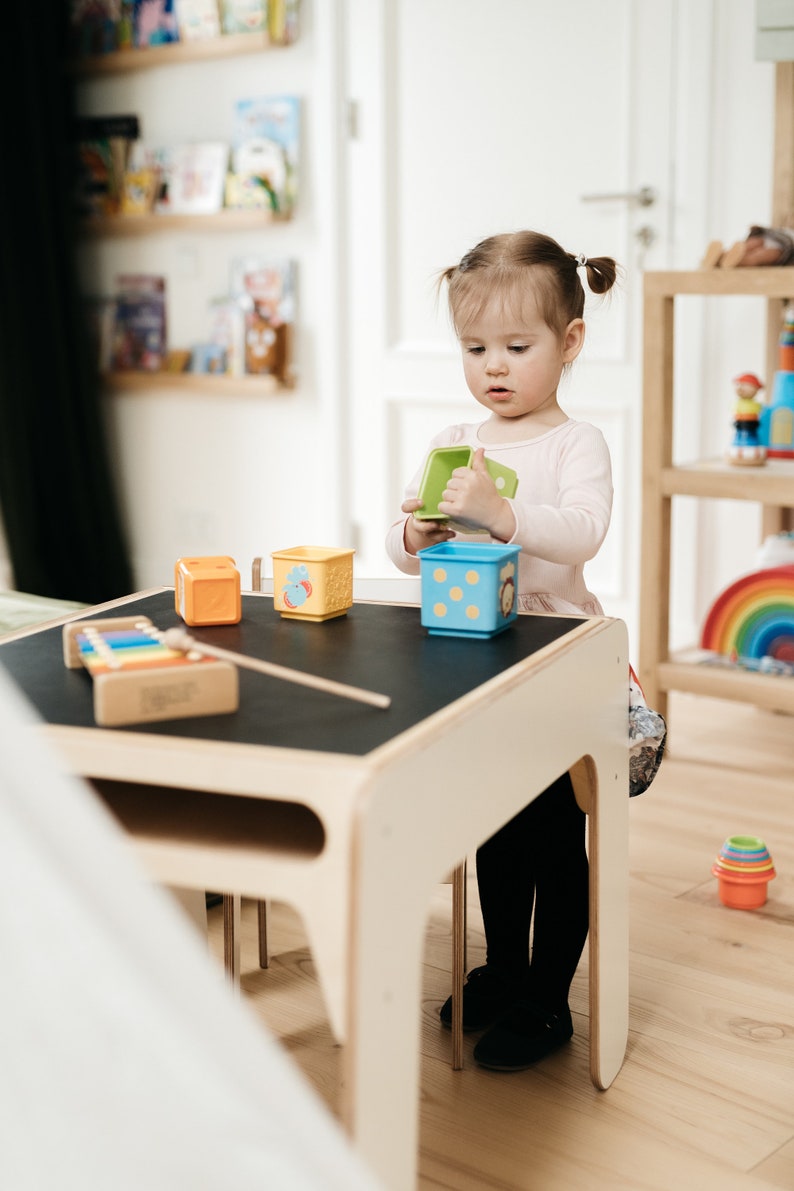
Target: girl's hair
column 516, row 265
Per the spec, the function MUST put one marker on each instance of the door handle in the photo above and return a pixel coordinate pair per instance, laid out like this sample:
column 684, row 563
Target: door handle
column 644, row 197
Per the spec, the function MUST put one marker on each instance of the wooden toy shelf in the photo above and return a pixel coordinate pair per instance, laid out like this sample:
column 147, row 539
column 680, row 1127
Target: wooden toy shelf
column 230, row 220
column 226, row 220
column 771, row 486
column 145, row 58
column 196, row 383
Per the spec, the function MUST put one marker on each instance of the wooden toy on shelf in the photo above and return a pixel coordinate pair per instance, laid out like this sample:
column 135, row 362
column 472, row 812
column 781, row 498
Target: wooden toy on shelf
column 207, row 590
column 746, row 448
column 751, row 622
column 777, row 419
column 138, row 679
column 762, row 246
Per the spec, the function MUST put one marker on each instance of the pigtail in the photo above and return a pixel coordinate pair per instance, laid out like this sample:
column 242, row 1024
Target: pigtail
column 602, row 273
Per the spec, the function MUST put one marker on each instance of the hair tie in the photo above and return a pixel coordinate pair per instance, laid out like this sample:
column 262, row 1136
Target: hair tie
column 581, row 260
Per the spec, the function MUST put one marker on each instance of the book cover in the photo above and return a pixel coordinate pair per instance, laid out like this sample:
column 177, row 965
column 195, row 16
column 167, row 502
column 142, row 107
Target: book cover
column 282, row 21
column 227, row 330
column 93, row 27
column 194, row 178
column 243, row 16
column 246, row 192
column 154, row 22
column 208, row 358
column 266, row 289
column 144, row 157
column 139, row 191
column 139, row 332
column 198, row 20
column 177, row 360
column 103, row 148
column 266, row 143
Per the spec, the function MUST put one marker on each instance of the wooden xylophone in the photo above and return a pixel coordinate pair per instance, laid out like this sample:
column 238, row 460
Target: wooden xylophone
column 138, row 679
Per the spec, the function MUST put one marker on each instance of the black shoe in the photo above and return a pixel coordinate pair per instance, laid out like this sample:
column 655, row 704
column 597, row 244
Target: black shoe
column 524, row 1035
column 487, row 994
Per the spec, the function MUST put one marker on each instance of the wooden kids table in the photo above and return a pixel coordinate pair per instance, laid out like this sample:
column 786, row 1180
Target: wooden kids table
column 352, row 813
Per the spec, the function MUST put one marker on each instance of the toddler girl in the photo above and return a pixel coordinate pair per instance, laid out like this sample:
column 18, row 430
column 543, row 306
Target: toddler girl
column 517, row 302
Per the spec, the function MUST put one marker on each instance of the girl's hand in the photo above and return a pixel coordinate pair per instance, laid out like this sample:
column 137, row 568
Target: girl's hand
column 472, row 497
column 418, row 533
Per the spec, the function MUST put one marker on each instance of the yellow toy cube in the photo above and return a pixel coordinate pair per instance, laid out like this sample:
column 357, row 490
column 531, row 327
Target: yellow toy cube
column 207, row 590
column 312, row 582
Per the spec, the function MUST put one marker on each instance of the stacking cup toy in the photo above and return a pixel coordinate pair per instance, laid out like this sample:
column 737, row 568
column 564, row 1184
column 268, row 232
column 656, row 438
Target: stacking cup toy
column 469, row 589
column 439, row 467
column 743, row 868
column 312, row 582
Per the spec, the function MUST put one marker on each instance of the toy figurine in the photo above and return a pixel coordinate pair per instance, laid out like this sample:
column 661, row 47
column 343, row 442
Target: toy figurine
column 746, row 449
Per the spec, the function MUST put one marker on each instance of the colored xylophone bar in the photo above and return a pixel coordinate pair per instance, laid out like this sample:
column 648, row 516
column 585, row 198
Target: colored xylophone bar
column 138, row 679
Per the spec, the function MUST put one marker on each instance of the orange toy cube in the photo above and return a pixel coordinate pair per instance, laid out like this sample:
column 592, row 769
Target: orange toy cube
column 207, row 590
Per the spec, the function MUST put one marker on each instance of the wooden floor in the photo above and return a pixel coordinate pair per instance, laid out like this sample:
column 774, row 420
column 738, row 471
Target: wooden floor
column 706, row 1096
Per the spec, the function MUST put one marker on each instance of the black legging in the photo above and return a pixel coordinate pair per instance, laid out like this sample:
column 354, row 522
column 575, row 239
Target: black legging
column 538, row 858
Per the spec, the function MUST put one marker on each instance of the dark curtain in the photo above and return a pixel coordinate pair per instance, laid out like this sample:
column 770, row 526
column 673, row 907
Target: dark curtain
column 57, row 495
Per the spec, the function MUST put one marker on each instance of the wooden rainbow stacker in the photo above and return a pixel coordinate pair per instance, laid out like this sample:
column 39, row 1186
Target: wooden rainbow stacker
column 137, row 679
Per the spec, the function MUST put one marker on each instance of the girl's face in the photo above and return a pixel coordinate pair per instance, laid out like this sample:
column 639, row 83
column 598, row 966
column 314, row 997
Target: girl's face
column 513, row 363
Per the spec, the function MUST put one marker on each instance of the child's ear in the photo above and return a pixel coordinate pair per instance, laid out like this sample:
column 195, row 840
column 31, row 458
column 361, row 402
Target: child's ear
column 573, row 341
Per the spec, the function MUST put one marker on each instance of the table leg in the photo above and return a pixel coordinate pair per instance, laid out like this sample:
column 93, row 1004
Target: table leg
column 382, row 1055
column 609, row 923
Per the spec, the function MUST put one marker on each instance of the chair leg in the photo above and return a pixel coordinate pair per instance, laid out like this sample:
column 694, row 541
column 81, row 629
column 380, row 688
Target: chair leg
column 458, row 961
column 261, row 914
column 231, row 938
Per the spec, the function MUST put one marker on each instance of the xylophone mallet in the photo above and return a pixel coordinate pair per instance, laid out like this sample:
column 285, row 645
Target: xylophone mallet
column 179, row 639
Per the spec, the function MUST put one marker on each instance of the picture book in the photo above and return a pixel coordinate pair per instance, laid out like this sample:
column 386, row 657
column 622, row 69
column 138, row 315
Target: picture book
column 93, row 27
column 266, row 144
column 177, row 360
column 243, row 16
column 103, row 148
column 139, row 191
column 208, row 358
column 249, row 192
column 267, row 290
column 145, row 158
column 154, row 22
column 282, row 21
column 139, row 331
column 194, row 178
column 198, row 19
column 227, row 331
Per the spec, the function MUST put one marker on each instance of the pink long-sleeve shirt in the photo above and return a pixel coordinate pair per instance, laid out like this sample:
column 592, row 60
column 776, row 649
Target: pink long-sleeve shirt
column 562, row 509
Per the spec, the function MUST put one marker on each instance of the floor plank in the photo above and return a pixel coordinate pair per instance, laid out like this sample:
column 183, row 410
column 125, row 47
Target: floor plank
column 706, row 1095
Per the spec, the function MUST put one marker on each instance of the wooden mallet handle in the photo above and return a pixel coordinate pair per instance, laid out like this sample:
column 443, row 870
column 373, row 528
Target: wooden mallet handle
column 179, row 639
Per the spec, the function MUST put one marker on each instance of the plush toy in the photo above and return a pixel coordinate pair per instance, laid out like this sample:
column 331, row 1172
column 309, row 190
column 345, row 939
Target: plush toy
column 762, row 246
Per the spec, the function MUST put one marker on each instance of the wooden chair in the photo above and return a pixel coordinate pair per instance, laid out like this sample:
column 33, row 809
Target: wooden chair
column 398, row 589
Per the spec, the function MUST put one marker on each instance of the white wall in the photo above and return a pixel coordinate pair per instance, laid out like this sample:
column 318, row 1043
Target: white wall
column 724, row 163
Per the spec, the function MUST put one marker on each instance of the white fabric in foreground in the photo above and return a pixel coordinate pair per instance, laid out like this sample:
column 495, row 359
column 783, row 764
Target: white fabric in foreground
column 125, row 1062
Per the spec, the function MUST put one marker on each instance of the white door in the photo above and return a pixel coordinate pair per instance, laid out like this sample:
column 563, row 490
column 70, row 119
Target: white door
column 469, row 119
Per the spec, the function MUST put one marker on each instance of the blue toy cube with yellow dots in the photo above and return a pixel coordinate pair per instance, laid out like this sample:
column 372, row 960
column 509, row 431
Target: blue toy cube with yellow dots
column 469, row 589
